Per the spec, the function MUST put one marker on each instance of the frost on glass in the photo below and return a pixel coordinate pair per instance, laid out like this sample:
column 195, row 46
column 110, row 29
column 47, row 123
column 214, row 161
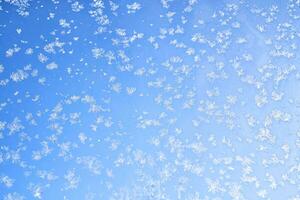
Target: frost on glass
column 160, row 99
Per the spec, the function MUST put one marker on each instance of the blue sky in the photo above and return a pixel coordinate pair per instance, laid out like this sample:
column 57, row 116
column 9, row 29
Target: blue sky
column 169, row 99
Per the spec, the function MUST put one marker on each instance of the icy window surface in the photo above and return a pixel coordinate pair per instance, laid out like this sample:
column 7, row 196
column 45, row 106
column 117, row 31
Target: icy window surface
column 149, row 99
